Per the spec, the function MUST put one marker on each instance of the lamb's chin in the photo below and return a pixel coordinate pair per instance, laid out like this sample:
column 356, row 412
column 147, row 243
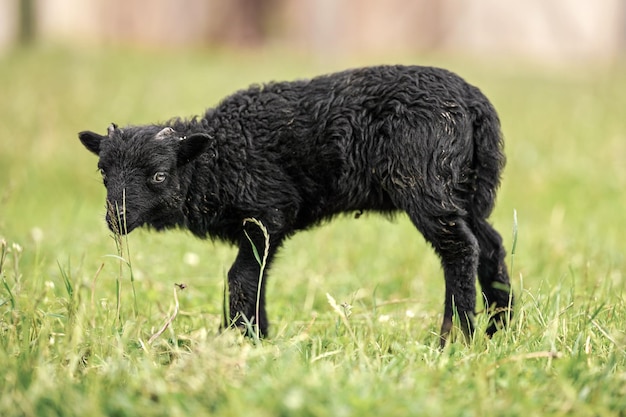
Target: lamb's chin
column 161, row 225
column 165, row 220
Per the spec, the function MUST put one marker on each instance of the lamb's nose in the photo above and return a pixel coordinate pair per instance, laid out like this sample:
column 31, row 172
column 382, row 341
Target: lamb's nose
column 114, row 210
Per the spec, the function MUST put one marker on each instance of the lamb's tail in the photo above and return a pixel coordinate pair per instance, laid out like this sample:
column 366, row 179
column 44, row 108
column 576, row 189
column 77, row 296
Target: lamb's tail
column 489, row 159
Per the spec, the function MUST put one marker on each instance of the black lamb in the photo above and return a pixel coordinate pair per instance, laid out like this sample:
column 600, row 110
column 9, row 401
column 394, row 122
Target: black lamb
column 292, row 154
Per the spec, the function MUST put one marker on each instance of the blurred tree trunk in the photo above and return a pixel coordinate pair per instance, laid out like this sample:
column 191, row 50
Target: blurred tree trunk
column 242, row 23
column 26, row 22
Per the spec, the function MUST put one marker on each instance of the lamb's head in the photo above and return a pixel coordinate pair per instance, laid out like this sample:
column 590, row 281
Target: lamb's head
column 143, row 169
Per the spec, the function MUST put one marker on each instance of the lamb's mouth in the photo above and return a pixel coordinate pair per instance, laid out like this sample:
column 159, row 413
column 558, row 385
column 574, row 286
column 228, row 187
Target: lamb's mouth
column 121, row 224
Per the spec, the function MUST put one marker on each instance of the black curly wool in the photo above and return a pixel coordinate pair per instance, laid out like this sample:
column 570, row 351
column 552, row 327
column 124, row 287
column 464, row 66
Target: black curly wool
column 292, row 154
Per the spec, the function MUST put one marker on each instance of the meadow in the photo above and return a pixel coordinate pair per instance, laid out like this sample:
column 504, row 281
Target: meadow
column 88, row 328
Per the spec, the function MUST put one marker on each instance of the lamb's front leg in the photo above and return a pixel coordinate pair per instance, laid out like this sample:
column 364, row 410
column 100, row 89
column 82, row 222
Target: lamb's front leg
column 246, row 287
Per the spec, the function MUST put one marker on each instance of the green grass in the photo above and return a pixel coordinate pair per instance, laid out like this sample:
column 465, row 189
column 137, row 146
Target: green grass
column 75, row 332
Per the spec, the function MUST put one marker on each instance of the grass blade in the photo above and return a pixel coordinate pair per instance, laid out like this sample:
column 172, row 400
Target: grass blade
column 262, row 264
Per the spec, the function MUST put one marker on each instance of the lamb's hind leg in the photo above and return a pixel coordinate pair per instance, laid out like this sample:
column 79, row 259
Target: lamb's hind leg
column 493, row 275
column 458, row 249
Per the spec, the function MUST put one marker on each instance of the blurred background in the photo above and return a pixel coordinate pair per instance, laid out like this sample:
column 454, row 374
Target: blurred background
column 552, row 30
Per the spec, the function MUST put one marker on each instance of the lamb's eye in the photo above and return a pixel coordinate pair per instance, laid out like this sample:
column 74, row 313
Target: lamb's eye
column 158, row 177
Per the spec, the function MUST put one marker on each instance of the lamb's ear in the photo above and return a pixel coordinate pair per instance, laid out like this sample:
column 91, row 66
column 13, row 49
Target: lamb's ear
column 91, row 140
column 192, row 146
